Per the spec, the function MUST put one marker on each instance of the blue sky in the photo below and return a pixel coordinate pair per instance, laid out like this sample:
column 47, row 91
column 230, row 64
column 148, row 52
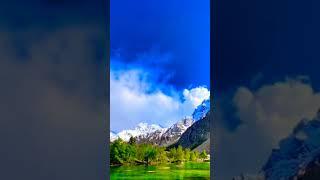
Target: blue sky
column 164, row 47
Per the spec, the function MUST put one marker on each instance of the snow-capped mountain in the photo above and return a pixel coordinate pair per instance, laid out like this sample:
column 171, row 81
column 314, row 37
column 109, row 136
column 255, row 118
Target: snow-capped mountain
column 155, row 134
column 201, row 111
column 142, row 129
column 166, row 136
column 145, row 133
column 297, row 153
column 113, row 136
column 153, row 137
column 173, row 133
column 197, row 136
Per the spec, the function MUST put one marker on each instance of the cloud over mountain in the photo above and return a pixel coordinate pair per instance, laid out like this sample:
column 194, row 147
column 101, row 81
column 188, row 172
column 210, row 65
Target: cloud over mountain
column 52, row 98
column 136, row 98
column 266, row 115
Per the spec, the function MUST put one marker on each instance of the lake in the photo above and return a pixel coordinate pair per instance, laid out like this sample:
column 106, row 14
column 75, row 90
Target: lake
column 189, row 170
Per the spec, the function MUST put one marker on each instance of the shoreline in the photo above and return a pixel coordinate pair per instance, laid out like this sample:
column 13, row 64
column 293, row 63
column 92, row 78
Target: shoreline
column 156, row 164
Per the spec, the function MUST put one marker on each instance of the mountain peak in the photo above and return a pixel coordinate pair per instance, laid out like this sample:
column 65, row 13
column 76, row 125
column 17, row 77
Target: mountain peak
column 140, row 129
column 296, row 152
column 154, row 133
column 147, row 127
column 142, row 125
column 202, row 110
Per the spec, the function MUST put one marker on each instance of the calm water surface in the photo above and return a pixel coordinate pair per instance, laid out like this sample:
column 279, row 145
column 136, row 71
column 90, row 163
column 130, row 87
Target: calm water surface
column 190, row 170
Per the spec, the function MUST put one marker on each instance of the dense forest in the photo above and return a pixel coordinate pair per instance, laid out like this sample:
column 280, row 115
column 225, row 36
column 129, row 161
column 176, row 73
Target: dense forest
column 125, row 153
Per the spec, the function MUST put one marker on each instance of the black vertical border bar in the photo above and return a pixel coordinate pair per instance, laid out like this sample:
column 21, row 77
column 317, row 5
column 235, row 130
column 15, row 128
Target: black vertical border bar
column 106, row 119
column 213, row 60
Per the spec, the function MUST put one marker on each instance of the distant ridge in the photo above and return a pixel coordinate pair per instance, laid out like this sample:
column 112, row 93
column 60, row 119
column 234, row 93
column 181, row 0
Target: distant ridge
column 189, row 132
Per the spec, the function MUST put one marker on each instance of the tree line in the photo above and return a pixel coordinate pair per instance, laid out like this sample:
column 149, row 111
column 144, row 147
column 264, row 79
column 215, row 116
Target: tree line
column 130, row 152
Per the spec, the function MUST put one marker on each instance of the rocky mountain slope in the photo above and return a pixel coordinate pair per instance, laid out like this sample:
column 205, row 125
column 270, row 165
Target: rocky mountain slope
column 297, row 154
column 145, row 133
column 168, row 136
column 143, row 129
column 201, row 111
column 196, row 135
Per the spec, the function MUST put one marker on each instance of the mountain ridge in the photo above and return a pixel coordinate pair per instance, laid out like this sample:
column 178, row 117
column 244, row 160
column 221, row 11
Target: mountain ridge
column 296, row 152
column 297, row 157
column 197, row 135
column 153, row 133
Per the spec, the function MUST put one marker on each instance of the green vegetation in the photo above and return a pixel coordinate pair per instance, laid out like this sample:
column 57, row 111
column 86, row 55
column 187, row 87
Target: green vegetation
column 122, row 153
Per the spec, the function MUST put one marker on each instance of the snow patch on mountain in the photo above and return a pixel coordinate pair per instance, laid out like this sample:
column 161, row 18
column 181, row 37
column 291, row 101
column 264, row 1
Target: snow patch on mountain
column 201, row 111
column 155, row 134
column 113, row 136
column 179, row 127
column 141, row 129
column 166, row 136
column 295, row 152
column 173, row 133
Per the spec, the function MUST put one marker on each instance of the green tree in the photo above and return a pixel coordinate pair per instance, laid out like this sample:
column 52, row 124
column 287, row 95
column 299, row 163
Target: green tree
column 161, row 155
column 172, row 153
column 196, row 153
column 193, row 156
column 116, row 152
column 132, row 140
column 140, row 152
column 149, row 154
column 203, row 155
column 187, row 154
column 179, row 154
column 131, row 153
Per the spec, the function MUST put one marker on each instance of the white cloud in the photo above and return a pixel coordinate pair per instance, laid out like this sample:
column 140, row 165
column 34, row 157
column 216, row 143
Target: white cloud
column 196, row 95
column 275, row 109
column 135, row 99
column 268, row 115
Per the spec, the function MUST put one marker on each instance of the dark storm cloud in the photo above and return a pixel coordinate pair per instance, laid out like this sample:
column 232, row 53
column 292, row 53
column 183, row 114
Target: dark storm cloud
column 17, row 14
column 53, row 104
column 257, row 44
column 268, row 38
column 178, row 28
column 53, row 95
column 266, row 116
